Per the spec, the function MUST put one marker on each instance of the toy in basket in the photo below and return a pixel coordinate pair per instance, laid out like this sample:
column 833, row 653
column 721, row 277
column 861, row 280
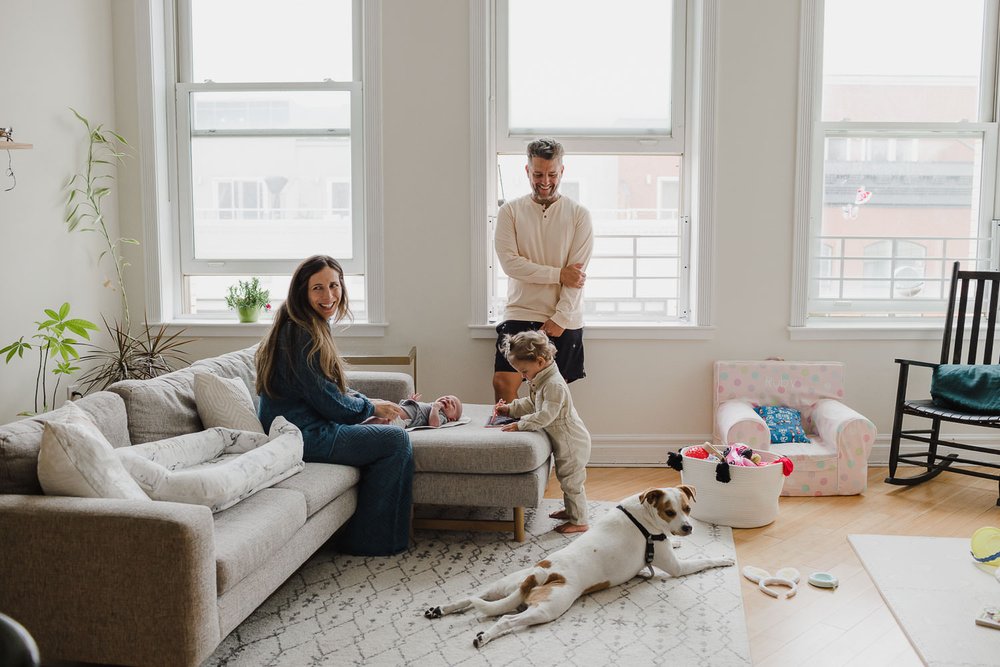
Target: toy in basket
column 737, row 487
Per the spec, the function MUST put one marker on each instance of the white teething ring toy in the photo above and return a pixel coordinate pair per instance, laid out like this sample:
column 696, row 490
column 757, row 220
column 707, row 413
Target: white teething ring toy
column 777, row 581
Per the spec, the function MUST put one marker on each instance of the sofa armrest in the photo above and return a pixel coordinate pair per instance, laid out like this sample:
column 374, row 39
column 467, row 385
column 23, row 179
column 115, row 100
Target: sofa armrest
column 381, row 384
column 852, row 435
column 843, row 427
column 736, row 421
column 110, row 581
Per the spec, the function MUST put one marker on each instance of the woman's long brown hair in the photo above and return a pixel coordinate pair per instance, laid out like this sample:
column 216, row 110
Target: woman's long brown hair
column 298, row 311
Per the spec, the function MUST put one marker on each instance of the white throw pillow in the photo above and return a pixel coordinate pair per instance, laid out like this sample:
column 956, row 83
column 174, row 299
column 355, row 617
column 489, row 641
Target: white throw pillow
column 75, row 459
column 225, row 402
column 216, row 468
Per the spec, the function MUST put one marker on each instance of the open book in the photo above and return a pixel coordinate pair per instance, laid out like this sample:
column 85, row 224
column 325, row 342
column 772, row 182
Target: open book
column 459, row 422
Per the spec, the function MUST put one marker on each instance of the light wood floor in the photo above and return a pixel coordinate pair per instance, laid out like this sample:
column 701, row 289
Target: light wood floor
column 850, row 625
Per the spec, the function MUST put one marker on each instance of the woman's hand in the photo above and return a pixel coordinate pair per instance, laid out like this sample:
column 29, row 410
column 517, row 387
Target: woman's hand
column 509, row 427
column 388, row 409
column 501, row 408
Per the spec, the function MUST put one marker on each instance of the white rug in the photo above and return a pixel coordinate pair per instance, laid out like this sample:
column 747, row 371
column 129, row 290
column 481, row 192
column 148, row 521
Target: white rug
column 935, row 590
column 343, row 610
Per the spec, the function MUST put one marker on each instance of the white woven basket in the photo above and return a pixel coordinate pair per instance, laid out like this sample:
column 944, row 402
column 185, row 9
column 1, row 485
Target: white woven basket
column 748, row 500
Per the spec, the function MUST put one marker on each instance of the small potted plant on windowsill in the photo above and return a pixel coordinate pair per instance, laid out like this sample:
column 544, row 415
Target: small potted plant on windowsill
column 248, row 299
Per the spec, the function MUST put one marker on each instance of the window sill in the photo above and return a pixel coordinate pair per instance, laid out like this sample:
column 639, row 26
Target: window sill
column 229, row 329
column 867, row 332
column 621, row 332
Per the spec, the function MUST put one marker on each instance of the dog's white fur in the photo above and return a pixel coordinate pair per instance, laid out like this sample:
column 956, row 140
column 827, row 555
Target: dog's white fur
column 610, row 553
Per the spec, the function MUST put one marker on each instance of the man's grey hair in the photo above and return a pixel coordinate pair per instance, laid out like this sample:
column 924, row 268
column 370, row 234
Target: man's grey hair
column 547, row 149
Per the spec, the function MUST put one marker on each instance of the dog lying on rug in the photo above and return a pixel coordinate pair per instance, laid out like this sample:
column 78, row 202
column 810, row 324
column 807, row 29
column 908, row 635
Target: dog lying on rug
column 628, row 539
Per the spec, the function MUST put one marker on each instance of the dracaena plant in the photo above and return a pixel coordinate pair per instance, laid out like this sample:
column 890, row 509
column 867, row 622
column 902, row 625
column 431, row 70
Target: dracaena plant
column 132, row 357
column 56, row 347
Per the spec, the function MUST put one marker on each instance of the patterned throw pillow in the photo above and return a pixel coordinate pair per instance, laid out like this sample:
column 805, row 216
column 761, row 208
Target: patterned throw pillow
column 224, row 402
column 784, row 423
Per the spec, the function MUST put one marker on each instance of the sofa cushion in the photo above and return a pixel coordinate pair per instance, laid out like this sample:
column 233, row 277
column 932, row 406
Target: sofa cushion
column 20, row 440
column 75, row 459
column 321, row 483
column 224, row 402
column 161, row 407
column 216, row 468
column 473, row 448
column 249, row 533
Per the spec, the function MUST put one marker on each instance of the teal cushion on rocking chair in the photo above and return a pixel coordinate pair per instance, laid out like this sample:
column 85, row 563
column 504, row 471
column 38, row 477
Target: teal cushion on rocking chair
column 967, row 387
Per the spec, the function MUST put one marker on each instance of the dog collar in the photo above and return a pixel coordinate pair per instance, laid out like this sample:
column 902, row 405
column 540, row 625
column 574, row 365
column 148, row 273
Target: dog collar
column 650, row 538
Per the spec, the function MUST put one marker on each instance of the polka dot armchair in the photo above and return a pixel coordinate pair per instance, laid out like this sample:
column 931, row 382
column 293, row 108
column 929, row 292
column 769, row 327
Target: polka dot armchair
column 835, row 461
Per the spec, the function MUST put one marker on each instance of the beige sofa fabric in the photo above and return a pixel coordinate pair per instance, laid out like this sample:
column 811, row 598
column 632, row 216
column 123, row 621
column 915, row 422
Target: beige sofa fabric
column 64, row 578
column 472, row 448
column 159, row 408
column 250, row 532
column 320, row 483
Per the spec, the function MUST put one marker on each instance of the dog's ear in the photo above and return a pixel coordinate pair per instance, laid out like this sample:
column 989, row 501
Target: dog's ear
column 688, row 491
column 651, row 496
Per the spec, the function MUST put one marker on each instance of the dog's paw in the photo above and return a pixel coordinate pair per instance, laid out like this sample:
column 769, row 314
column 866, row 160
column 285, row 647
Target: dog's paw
column 433, row 612
column 478, row 641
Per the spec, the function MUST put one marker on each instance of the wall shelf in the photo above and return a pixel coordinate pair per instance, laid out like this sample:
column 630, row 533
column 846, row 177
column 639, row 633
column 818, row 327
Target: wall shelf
column 13, row 145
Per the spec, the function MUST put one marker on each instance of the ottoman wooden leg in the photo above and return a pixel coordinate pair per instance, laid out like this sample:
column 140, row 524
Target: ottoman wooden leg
column 519, row 524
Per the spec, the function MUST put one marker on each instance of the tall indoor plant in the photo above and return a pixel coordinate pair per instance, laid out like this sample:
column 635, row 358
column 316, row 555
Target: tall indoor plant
column 134, row 353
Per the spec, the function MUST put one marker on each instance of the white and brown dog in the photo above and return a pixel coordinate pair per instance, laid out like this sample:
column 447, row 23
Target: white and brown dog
column 628, row 539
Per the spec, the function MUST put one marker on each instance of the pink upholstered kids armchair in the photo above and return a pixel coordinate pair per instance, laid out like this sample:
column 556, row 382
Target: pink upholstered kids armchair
column 835, row 460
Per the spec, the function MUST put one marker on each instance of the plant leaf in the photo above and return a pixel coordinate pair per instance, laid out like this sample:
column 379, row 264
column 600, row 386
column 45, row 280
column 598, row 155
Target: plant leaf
column 64, row 310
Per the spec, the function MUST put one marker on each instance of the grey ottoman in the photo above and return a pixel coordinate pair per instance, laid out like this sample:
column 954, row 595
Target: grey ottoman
column 474, row 466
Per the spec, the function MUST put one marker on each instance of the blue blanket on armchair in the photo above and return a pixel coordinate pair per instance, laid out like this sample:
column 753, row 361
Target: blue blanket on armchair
column 968, row 388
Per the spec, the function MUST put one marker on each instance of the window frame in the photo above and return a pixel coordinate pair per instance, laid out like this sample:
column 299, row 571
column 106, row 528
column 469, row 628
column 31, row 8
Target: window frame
column 812, row 132
column 160, row 27
column 692, row 128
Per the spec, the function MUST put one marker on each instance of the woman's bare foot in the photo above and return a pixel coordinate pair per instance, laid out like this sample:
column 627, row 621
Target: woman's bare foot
column 568, row 527
column 559, row 514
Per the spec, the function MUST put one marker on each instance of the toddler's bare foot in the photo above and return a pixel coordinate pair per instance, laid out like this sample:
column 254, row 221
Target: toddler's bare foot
column 434, row 417
column 559, row 514
column 568, row 527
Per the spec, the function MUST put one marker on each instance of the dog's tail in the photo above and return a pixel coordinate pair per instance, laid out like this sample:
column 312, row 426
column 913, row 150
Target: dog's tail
column 516, row 597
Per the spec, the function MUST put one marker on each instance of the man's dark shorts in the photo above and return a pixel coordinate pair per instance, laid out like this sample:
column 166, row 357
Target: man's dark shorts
column 569, row 349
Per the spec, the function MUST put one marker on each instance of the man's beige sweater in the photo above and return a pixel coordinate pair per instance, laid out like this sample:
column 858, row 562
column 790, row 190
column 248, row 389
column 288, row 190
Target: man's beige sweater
column 533, row 243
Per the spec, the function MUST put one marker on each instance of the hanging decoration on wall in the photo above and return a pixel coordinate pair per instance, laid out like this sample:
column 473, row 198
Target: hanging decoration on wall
column 7, row 143
column 861, row 197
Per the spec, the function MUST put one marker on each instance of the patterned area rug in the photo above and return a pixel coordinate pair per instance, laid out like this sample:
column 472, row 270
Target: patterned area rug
column 343, row 610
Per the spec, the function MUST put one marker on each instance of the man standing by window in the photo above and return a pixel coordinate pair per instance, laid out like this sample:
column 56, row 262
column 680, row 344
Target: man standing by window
column 544, row 241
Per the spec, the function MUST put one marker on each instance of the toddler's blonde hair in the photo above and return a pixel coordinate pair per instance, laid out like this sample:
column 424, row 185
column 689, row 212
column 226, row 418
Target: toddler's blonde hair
column 528, row 346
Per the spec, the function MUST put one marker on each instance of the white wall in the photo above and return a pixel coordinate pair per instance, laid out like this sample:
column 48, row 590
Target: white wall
column 640, row 396
column 56, row 54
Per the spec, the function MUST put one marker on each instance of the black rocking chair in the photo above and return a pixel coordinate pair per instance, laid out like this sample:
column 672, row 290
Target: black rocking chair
column 976, row 293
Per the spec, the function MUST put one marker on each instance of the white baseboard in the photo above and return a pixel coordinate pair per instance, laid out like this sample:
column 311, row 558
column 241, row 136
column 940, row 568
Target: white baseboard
column 638, row 450
column 651, row 450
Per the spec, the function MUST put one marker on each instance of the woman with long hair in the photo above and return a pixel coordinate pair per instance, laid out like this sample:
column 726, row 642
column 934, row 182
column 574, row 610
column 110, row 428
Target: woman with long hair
column 301, row 376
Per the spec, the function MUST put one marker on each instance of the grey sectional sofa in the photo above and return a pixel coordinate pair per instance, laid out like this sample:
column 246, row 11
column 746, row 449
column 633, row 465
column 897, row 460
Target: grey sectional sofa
column 159, row 583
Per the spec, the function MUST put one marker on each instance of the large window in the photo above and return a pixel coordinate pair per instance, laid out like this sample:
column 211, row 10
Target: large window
column 899, row 113
column 608, row 81
column 270, row 144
